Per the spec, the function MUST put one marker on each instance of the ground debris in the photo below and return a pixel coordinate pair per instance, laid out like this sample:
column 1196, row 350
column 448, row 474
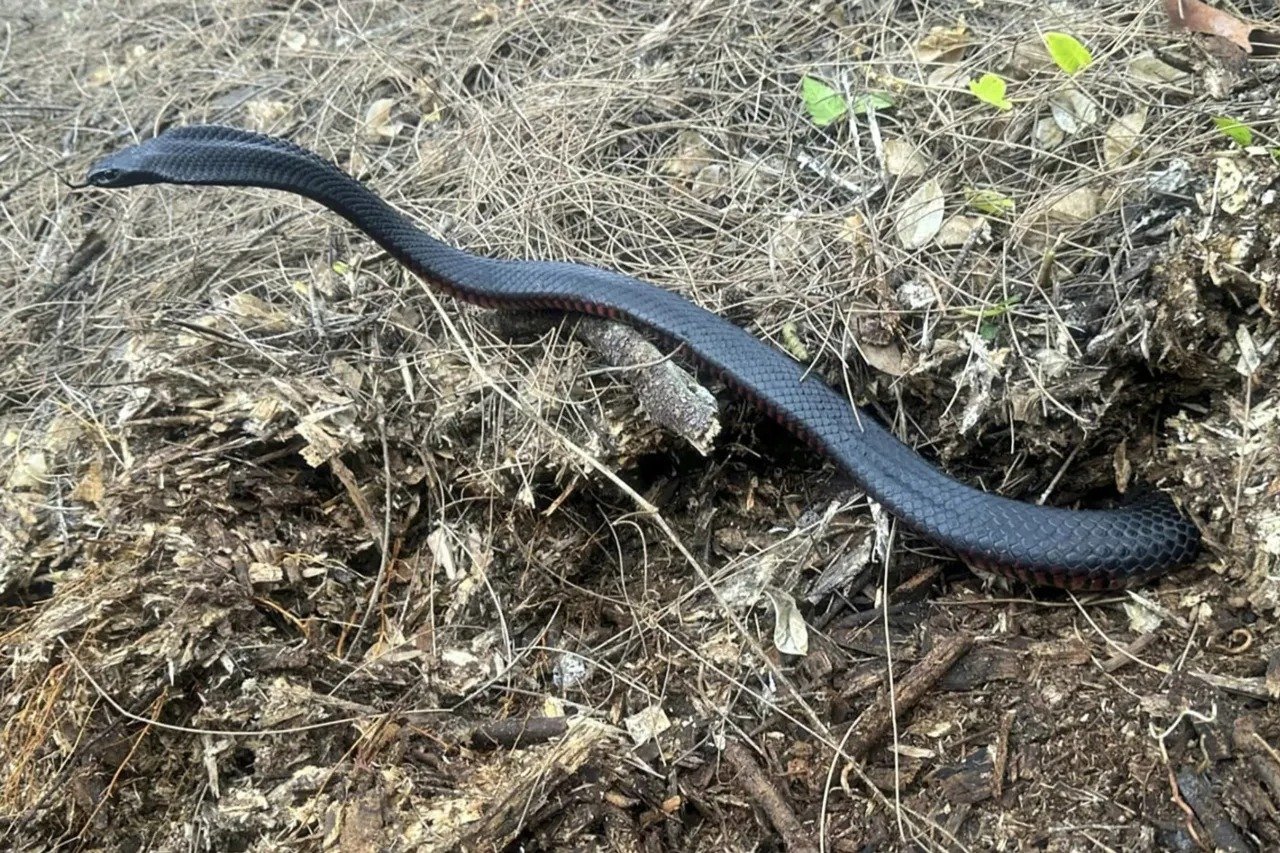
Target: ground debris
column 294, row 555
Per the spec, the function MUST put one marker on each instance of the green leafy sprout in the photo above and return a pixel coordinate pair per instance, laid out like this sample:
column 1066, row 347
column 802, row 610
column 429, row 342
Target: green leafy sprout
column 1070, row 55
column 991, row 202
column 868, row 101
column 826, row 106
column 990, row 88
column 1235, row 130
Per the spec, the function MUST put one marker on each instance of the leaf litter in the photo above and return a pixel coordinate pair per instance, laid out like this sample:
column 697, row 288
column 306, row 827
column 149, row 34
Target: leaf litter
column 281, row 551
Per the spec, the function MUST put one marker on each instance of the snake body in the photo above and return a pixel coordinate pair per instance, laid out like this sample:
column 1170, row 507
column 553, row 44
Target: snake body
column 1077, row 549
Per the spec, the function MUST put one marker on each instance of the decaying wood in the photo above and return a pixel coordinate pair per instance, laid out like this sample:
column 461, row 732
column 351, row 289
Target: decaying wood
column 876, row 721
column 752, row 780
column 1199, row 795
column 512, row 734
column 509, row 790
column 670, row 395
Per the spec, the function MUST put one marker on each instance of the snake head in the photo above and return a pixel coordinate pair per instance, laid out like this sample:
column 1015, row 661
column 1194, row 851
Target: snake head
column 124, row 168
column 105, row 176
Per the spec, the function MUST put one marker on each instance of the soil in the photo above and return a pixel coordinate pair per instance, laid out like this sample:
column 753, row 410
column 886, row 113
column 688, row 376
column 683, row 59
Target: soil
column 298, row 554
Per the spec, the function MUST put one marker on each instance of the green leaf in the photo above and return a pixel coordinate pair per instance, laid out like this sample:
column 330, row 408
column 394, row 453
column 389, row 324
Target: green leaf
column 868, row 101
column 1069, row 53
column 341, row 267
column 990, row 202
column 1237, row 131
column 988, row 331
column 990, row 89
column 824, row 104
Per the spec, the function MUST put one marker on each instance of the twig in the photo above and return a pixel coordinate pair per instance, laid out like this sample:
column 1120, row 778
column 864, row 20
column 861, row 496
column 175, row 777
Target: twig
column 876, row 721
column 670, row 395
column 752, row 780
column 513, row 734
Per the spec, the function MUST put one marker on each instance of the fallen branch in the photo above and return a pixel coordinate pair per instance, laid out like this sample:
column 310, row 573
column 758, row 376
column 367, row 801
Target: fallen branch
column 876, row 721
column 753, row 782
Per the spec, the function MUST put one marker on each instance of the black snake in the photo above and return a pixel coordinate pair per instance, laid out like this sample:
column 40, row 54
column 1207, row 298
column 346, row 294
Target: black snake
column 1077, row 549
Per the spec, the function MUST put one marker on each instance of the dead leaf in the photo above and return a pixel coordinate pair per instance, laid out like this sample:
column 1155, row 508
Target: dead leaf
column 90, row 488
column 792, row 240
column 1052, row 364
column 102, row 75
column 1076, row 207
column 978, row 375
column 377, row 120
column 951, row 75
column 322, row 445
column 904, row 160
column 30, row 471
column 886, row 359
column 1072, row 110
column 1148, row 68
column 1122, row 467
column 265, row 113
column 1200, row 17
column 696, row 166
column 487, row 14
column 915, row 295
column 105, row 75
column 790, row 634
column 1048, row 134
column 853, row 230
column 943, row 44
column 647, row 724
column 265, row 573
column 710, row 183
column 569, row 671
column 1073, row 208
column 1142, row 619
column 693, row 154
column 1269, row 533
column 1031, row 56
column 347, row 375
column 1230, row 186
column 1250, row 360
column 265, row 316
column 428, row 99
column 1056, row 213
column 442, row 552
column 960, row 229
column 921, row 216
column 1123, row 136
column 294, row 40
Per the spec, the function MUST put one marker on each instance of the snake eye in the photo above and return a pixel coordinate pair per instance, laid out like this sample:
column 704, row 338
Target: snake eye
column 104, row 177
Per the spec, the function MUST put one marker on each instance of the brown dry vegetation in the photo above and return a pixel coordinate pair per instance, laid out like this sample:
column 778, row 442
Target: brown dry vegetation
column 287, row 541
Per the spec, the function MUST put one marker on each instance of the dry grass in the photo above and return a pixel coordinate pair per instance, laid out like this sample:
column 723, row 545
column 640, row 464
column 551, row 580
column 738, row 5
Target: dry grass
column 281, row 529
